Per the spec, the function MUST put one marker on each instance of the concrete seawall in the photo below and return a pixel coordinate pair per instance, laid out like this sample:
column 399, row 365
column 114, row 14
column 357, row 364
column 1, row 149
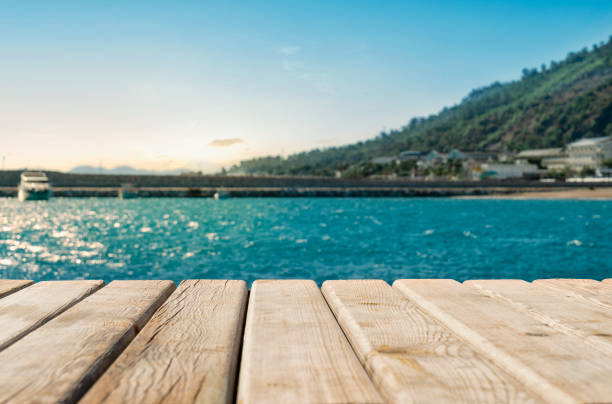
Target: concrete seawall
column 89, row 185
column 101, row 181
column 208, row 192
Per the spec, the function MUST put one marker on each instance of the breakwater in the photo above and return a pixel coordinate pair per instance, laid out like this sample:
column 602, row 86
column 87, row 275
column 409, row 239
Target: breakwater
column 91, row 185
column 290, row 192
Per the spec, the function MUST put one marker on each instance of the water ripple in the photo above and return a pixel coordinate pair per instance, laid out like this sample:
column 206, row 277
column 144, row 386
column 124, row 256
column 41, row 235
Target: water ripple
column 304, row 238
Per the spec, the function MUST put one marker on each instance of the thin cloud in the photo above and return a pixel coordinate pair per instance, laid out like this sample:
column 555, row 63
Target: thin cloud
column 289, row 50
column 301, row 71
column 225, row 142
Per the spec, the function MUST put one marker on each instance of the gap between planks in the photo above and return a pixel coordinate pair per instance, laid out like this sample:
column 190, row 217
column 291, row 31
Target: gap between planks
column 557, row 366
column 559, row 310
column 598, row 293
column 409, row 355
column 294, row 350
column 61, row 360
column 483, row 338
column 26, row 310
column 8, row 286
column 186, row 353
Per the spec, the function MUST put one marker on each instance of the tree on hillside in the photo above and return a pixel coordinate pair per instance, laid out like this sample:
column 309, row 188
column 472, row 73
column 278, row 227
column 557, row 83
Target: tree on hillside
column 546, row 108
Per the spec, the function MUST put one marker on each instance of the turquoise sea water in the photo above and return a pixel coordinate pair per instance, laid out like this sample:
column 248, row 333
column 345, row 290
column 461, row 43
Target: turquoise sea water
column 316, row 238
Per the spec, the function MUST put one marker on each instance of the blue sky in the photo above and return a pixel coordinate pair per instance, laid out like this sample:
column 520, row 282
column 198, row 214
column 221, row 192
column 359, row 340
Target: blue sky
column 204, row 84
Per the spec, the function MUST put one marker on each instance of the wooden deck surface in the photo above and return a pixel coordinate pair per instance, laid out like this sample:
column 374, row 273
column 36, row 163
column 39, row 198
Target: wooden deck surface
column 289, row 341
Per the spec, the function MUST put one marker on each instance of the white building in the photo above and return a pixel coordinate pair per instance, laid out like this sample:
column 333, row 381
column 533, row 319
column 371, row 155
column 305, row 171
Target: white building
column 473, row 156
column 589, row 152
column 409, row 155
column 504, row 171
column 555, row 163
column 433, row 159
column 546, row 156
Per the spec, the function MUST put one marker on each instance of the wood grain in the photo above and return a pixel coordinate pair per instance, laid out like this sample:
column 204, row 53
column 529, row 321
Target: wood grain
column 186, row 353
column 295, row 352
column 28, row 309
column 559, row 367
column 561, row 311
column 598, row 293
column 8, row 286
column 60, row 360
column 410, row 356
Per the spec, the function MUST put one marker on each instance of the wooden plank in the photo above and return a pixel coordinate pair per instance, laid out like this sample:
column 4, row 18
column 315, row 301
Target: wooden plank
column 589, row 290
column 557, row 366
column 409, row 355
column 28, row 309
column 60, row 361
column 591, row 323
column 8, row 286
column 187, row 353
column 295, row 352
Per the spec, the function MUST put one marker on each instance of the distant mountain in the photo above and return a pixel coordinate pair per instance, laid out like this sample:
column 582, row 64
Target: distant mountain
column 122, row 170
column 549, row 107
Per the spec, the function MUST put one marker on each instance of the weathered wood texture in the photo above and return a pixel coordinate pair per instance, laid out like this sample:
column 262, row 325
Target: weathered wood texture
column 557, row 366
column 598, row 293
column 59, row 361
column 8, row 286
column 28, row 309
column 187, row 353
column 410, row 356
column 420, row 341
column 561, row 311
column 295, row 352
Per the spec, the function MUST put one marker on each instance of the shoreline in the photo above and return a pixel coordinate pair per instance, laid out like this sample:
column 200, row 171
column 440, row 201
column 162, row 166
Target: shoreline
column 460, row 192
column 580, row 193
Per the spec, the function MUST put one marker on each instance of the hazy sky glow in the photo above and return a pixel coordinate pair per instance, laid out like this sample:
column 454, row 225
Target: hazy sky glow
column 164, row 85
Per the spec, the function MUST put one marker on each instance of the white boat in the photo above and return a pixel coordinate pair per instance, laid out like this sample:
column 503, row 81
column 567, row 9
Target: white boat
column 34, row 186
column 221, row 195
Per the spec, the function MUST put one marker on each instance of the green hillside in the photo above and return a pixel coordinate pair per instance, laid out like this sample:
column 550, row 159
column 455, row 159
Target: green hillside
column 548, row 107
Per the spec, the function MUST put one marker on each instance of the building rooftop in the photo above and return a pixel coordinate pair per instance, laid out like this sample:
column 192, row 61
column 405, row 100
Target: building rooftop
column 556, row 151
column 411, row 153
column 591, row 141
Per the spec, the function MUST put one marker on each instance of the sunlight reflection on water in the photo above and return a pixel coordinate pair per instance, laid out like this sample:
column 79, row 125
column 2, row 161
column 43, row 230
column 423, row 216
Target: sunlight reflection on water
column 305, row 238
